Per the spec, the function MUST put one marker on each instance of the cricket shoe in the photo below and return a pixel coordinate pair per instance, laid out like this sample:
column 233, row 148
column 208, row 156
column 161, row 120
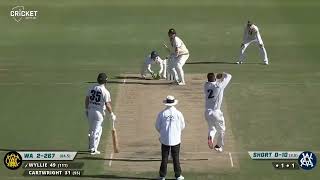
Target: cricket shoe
column 162, row 178
column 218, row 148
column 95, row 152
column 180, row 177
column 239, row 62
column 266, row 63
column 175, row 83
column 181, row 84
column 210, row 142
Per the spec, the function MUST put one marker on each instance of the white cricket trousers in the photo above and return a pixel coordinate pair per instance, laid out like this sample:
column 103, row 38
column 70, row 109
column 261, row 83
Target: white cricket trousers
column 144, row 70
column 263, row 52
column 95, row 118
column 180, row 61
column 163, row 73
column 216, row 125
column 171, row 70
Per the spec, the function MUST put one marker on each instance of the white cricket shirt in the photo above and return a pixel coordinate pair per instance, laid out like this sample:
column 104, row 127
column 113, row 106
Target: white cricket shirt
column 98, row 97
column 178, row 43
column 252, row 34
column 149, row 62
column 170, row 123
column 214, row 92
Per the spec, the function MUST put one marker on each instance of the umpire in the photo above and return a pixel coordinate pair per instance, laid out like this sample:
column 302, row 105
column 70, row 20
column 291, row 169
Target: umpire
column 169, row 124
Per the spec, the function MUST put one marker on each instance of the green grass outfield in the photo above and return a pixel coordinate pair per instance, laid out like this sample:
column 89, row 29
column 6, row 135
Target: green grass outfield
column 272, row 107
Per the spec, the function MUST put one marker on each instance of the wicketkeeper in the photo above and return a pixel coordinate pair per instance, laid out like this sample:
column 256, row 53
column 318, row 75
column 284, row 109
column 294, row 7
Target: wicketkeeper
column 154, row 58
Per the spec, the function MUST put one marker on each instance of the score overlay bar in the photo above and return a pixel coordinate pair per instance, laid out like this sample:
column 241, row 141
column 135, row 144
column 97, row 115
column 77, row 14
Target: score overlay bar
column 48, row 155
column 274, row 155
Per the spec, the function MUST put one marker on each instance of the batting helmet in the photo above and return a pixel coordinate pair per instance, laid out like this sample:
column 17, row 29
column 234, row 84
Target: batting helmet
column 172, row 31
column 102, row 78
column 154, row 54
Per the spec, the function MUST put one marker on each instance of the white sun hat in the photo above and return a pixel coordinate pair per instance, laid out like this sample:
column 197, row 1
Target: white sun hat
column 170, row 101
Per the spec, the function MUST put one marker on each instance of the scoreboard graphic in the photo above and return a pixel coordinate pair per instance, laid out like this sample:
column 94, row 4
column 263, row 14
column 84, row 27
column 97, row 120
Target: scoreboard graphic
column 61, row 163
column 44, row 163
column 287, row 160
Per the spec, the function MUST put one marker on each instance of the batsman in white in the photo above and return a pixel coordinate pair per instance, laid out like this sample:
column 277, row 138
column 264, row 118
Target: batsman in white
column 96, row 102
column 252, row 35
column 179, row 55
column 213, row 90
column 154, row 58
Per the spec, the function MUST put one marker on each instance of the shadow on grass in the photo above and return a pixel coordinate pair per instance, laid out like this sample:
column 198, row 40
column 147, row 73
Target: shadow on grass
column 133, row 82
column 138, row 160
column 117, row 159
column 209, row 62
column 220, row 62
column 8, row 150
column 130, row 77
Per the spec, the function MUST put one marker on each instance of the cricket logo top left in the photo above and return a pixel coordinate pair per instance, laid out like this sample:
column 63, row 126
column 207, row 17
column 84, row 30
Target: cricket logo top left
column 12, row 160
column 18, row 13
column 307, row 160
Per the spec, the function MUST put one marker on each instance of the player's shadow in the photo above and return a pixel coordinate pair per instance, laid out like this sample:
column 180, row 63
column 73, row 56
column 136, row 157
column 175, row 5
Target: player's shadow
column 133, row 77
column 110, row 176
column 145, row 82
column 137, row 160
column 118, row 159
column 83, row 152
column 217, row 62
column 129, row 77
column 8, row 150
column 209, row 62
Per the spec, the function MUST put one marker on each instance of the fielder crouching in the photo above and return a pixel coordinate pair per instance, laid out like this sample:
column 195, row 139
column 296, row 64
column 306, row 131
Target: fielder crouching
column 154, row 58
column 252, row 35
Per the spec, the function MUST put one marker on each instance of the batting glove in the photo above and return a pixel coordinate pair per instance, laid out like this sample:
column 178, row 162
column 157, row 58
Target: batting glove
column 157, row 76
column 153, row 75
column 113, row 116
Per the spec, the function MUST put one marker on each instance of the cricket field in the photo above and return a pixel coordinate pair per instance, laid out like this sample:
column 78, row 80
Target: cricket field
column 48, row 62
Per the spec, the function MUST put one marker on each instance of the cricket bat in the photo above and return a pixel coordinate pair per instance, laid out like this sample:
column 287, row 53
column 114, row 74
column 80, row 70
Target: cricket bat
column 166, row 47
column 114, row 139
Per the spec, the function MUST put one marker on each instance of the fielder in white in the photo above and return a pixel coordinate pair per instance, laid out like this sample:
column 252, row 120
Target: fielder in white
column 96, row 102
column 154, row 58
column 252, row 35
column 213, row 90
column 179, row 55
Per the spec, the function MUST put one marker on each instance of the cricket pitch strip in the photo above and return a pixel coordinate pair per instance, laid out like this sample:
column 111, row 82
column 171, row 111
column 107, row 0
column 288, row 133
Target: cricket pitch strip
column 137, row 105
